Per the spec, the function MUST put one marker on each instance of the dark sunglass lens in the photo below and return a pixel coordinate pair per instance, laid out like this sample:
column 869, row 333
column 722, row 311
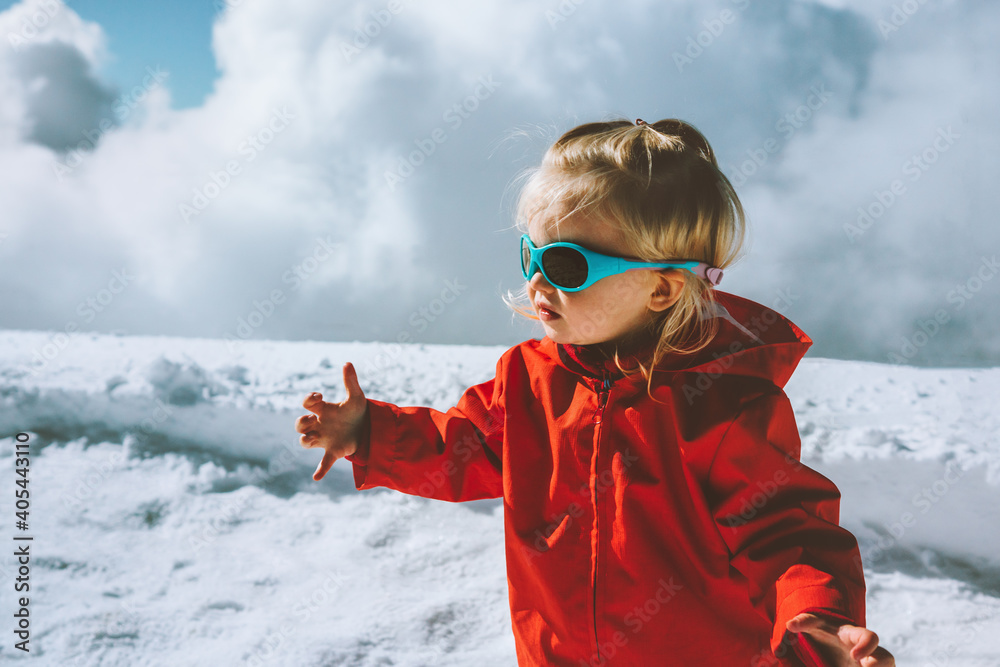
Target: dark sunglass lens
column 525, row 257
column 565, row 267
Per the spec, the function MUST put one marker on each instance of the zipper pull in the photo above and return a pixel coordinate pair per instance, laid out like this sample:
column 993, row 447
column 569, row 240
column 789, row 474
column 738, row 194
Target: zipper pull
column 602, row 397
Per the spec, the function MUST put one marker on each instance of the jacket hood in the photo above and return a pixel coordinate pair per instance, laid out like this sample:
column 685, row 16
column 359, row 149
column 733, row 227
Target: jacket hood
column 753, row 340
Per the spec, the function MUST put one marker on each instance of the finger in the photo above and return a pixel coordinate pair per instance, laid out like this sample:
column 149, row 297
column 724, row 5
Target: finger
column 324, row 466
column 864, row 640
column 351, row 383
column 313, row 402
column 805, row 623
column 306, row 423
column 309, row 439
column 880, row 658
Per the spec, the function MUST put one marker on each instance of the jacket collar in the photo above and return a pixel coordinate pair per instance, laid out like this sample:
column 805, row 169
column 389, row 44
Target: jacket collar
column 753, row 340
column 594, row 361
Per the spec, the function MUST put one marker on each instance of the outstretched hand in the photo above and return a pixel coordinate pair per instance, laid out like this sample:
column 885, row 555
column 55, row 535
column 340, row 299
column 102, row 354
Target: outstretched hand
column 336, row 427
column 843, row 645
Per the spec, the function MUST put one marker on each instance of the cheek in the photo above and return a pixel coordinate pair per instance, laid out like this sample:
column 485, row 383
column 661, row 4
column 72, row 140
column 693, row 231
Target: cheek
column 626, row 304
column 621, row 292
column 604, row 301
column 636, row 282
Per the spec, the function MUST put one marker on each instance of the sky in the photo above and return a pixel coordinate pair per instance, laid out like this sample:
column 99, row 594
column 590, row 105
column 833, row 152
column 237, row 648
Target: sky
column 175, row 35
column 252, row 169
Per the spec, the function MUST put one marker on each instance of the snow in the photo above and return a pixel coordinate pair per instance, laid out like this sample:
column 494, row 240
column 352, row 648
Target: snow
column 175, row 520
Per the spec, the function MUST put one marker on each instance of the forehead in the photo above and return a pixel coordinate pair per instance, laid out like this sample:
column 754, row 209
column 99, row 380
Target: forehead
column 591, row 231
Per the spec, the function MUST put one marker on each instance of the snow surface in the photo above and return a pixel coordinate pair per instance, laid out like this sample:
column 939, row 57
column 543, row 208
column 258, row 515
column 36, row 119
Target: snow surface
column 175, row 520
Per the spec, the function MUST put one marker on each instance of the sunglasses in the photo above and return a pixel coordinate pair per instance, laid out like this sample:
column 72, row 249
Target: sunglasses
column 571, row 268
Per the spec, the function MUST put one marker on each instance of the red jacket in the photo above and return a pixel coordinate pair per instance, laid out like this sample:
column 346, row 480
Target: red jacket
column 678, row 532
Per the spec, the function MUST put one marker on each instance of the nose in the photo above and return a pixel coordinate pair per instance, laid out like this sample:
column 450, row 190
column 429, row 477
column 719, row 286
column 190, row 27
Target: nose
column 538, row 283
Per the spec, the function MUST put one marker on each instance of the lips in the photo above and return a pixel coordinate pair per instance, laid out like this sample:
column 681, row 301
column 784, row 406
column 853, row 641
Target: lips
column 545, row 311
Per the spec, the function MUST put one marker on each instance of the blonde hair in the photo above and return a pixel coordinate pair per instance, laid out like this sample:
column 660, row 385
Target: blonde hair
column 661, row 184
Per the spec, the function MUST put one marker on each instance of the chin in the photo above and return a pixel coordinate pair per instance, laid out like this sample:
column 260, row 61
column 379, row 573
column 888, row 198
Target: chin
column 564, row 339
column 558, row 337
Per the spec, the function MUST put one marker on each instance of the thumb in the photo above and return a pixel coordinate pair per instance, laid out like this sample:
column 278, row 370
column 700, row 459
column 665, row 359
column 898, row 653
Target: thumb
column 804, row 623
column 329, row 458
column 354, row 391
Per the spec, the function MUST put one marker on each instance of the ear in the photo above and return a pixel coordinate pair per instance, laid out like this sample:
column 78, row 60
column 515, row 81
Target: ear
column 669, row 286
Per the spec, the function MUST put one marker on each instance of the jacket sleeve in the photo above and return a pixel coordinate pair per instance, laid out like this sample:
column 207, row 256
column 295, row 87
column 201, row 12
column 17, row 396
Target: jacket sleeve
column 779, row 520
column 455, row 455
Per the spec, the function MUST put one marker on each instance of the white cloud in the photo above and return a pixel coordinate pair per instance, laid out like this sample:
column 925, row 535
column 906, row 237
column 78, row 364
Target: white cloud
column 346, row 117
column 874, row 279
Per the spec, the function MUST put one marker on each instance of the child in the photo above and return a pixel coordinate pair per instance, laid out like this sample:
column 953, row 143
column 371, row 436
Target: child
column 655, row 509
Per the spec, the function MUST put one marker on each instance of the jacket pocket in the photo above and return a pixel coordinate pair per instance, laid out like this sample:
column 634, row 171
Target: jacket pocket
column 547, row 537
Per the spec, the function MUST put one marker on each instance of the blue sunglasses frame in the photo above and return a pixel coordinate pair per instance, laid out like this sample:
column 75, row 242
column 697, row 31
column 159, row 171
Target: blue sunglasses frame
column 601, row 266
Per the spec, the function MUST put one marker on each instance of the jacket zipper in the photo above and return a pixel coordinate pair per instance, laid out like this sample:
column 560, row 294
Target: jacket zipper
column 603, row 391
column 602, row 397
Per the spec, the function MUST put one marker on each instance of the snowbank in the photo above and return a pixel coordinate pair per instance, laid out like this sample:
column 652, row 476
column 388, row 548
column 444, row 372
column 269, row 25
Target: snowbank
column 176, row 522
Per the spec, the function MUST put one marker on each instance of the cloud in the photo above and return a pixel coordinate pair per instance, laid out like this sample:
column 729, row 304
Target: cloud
column 875, row 263
column 355, row 157
column 63, row 99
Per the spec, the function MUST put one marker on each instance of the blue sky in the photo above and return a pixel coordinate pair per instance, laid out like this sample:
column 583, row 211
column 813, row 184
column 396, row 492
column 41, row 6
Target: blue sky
column 175, row 35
